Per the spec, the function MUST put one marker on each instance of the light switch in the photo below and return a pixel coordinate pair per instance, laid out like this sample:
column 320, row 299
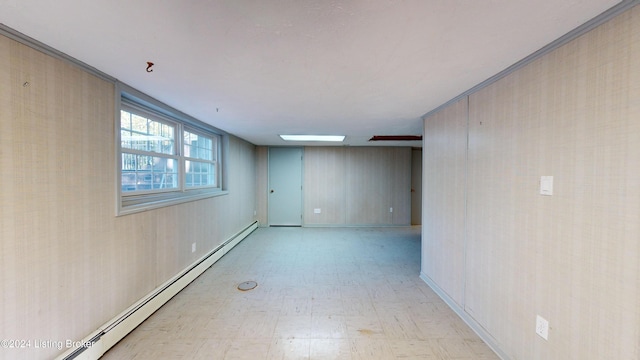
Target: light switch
column 317, row 211
column 546, row 185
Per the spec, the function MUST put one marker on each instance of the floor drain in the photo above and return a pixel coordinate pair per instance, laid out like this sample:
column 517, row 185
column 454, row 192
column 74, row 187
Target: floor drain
column 247, row 285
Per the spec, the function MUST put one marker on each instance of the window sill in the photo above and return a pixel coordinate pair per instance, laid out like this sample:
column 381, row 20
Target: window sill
column 135, row 204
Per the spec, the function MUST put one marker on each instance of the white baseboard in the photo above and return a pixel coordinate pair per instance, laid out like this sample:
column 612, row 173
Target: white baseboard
column 473, row 324
column 98, row 342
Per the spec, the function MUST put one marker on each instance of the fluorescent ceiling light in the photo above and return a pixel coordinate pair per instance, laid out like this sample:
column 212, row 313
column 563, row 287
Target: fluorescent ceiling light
column 312, row 137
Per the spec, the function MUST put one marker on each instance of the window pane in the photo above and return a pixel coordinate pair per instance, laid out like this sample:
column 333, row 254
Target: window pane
column 198, row 146
column 199, row 173
column 140, row 133
column 141, row 172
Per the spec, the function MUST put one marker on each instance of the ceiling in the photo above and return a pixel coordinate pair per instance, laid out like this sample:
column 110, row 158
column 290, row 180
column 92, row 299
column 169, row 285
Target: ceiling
column 259, row 68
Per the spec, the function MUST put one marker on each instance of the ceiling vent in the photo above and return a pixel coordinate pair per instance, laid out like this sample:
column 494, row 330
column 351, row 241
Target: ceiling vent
column 396, row 138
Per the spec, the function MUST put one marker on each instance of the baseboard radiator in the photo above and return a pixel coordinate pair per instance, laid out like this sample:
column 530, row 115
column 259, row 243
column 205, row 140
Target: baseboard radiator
column 98, row 342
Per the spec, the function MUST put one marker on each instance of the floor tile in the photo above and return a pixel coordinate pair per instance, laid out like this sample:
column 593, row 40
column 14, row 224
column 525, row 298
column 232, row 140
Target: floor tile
column 413, row 349
column 364, row 327
column 323, row 293
column 213, row 349
column 247, row 349
column 328, row 327
column 330, row 349
column 289, row 349
column 371, row 349
column 293, row 327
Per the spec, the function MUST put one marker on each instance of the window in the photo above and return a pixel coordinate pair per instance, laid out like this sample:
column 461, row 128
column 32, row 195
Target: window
column 200, row 159
column 149, row 157
column 163, row 159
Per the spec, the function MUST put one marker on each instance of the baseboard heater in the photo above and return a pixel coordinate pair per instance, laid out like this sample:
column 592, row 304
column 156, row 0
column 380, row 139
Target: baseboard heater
column 97, row 343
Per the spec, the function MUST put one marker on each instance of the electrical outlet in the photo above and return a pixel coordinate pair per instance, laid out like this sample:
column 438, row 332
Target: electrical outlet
column 391, row 209
column 546, row 185
column 317, row 211
column 193, row 247
column 542, row 327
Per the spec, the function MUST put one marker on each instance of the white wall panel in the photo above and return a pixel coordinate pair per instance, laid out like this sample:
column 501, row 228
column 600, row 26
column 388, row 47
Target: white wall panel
column 357, row 186
column 67, row 264
column 573, row 257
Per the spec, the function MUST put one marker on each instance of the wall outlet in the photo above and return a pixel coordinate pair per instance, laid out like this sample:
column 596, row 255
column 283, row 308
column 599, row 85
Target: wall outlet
column 193, row 247
column 317, row 211
column 542, row 327
column 390, row 209
column 546, row 185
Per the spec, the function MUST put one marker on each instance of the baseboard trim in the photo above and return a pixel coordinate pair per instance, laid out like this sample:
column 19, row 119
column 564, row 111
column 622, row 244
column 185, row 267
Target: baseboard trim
column 101, row 340
column 357, row 225
column 473, row 324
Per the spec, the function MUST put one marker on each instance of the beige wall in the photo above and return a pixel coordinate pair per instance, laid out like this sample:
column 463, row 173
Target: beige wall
column 325, row 187
column 416, row 186
column 67, row 264
column 357, row 186
column 444, row 196
column 351, row 186
column 262, row 183
column 574, row 257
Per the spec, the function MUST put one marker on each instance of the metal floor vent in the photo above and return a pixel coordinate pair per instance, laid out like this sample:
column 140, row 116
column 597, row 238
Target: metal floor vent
column 247, row 285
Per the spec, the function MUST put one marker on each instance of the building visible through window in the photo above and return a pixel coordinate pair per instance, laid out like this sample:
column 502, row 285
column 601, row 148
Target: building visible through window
column 164, row 160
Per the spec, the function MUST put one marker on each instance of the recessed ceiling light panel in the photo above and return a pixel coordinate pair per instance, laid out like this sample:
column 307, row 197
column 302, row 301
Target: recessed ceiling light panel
column 334, row 138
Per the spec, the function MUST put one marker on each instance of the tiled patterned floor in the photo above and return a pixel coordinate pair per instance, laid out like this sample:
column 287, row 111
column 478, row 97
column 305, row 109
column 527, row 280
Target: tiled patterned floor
column 323, row 293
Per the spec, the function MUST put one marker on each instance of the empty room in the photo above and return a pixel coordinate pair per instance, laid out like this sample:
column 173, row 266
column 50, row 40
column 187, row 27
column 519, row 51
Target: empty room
column 383, row 179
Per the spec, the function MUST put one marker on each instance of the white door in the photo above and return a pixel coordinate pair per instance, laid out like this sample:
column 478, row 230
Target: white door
column 285, row 186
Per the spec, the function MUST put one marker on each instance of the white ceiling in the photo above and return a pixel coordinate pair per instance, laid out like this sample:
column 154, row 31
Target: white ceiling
column 259, row 68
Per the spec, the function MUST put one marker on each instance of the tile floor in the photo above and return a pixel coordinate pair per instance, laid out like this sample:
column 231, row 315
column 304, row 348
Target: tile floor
column 323, row 293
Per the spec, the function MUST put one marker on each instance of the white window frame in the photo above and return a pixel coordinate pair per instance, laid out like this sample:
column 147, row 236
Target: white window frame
column 137, row 110
column 215, row 162
column 131, row 100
